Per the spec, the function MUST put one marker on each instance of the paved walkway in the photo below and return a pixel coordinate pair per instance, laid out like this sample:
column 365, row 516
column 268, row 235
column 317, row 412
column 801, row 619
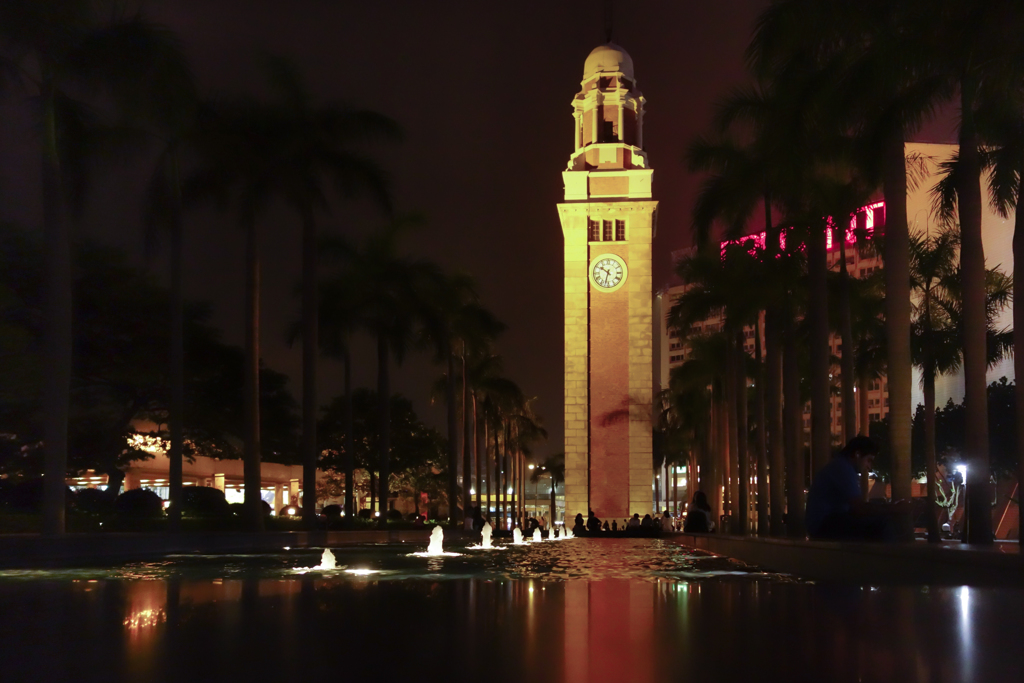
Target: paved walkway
column 881, row 563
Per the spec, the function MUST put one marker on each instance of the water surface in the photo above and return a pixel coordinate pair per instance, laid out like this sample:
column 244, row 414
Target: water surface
column 578, row 610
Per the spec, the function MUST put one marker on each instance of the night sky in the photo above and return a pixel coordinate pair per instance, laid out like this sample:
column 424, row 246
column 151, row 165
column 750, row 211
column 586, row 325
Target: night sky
column 483, row 92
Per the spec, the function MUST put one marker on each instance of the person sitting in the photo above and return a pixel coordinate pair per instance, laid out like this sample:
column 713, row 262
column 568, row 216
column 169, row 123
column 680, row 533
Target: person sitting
column 605, row 526
column 836, row 509
column 698, row 515
column 615, row 525
column 634, row 522
column 666, row 522
column 647, row 522
column 578, row 527
column 593, row 523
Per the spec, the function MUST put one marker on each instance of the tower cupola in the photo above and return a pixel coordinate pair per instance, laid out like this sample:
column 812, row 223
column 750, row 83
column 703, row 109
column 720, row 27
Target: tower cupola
column 608, row 134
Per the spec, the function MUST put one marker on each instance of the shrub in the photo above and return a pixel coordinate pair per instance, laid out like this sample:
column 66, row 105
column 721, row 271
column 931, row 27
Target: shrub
column 395, row 514
column 94, row 502
column 139, row 503
column 331, row 511
column 204, row 501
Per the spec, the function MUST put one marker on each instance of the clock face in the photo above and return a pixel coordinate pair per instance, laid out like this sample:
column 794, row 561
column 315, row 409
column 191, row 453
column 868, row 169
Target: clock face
column 608, row 272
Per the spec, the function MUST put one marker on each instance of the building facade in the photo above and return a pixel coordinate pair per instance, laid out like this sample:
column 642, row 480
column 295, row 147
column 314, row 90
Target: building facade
column 608, row 223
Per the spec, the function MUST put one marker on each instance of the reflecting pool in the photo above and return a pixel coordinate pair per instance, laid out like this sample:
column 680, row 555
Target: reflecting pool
column 581, row 610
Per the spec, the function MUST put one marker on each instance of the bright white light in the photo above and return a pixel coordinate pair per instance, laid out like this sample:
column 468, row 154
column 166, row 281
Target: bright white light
column 376, row 514
column 287, row 547
column 472, row 492
column 962, row 469
column 683, row 481
column 531, row 467
column 362, row 572
column 167, row 504
column 510, row 490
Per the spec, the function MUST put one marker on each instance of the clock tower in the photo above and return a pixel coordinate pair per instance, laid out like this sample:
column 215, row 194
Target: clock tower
column 608, row 222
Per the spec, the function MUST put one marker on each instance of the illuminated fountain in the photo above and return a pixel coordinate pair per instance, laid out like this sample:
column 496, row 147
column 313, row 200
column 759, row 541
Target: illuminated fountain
column 434, row 547
column 485, row 539
column 567, row 532
column 327, row 561
column 553, row 536
column 537, row 538
column 517, row 537
column 436, row 541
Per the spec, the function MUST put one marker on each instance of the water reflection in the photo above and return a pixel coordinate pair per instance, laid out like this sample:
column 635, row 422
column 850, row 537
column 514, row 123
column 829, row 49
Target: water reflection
column 515, row 625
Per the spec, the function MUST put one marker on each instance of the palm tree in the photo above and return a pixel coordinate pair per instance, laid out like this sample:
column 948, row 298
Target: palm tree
column 1007, row 161
column 726, row 282
column 939, row 328
column 394, row 304
column 339, row 320
column 552, row 467
column 481, row 369
column 314, row 145
column 528, row 429
column 881, row 89
column 58, row 51
column 174, row 126
column 455, row 321
column 235, row 142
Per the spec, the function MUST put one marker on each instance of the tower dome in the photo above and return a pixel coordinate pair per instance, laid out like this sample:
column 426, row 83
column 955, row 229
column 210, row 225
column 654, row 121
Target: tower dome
column 608, row 58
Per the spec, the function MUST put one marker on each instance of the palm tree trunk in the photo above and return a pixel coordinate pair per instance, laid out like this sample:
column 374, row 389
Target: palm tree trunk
column 773, row 399
column 468, row 440
column 929, row 448
column 977, row 512
column 481, row 451
column 715, row 460
column 373, row 492
column 554, row 506
column 1018, row 343
column 732, row 456
column 487, row 460
column 897, row 318
column 794, row 434
column 58, row 339
column 865, row 429
column 177, row 404
column 310, row 348
column 742, row 438
column 773, row 381
column 863, row 414
column 350, row 442
column 384, row 423
column 453, row 441
column 251, row 466
column 817, row 312
column 763, row 523
column 847, row 372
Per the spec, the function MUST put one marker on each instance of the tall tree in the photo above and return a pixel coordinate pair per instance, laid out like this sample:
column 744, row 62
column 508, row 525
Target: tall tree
column 58, row 51
column 316, row 147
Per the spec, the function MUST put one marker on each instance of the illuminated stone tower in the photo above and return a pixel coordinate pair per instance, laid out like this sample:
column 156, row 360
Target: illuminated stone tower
column 608, row 220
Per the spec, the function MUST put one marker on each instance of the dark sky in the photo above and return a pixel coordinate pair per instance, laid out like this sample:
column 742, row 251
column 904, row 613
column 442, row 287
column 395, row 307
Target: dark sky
column 483, row 92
